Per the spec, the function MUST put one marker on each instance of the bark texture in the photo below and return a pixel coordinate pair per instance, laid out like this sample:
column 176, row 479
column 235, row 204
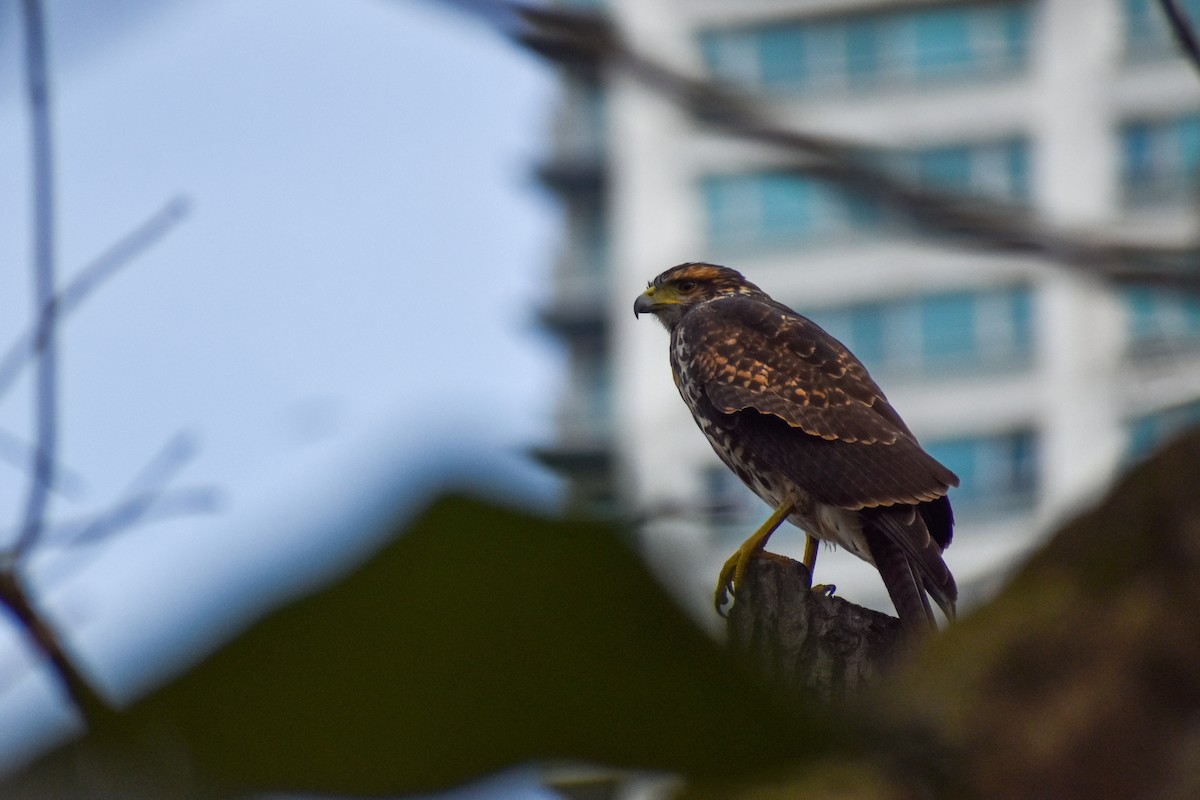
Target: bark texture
column 808, row 642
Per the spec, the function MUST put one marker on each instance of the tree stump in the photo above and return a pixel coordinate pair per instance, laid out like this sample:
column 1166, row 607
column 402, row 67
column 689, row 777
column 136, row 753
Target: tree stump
column 805, row 642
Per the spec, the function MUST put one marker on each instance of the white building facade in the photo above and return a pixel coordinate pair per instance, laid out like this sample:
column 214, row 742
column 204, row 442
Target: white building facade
column 1035, row 383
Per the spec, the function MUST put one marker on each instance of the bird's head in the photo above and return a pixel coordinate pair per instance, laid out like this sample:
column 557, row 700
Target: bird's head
column 673, row 293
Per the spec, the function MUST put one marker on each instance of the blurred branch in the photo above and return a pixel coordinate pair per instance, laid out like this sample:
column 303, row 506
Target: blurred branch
column 13, row 594
column 1182, row 29
column 589, row 40
column 149, row 506
column 15, row 598
column 46, row 417
column 105, row 266
column 146, row 491
column 20, row 454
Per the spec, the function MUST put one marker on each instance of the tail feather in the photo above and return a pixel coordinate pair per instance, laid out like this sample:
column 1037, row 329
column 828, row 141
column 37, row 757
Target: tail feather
column 908, row 596
column 905, row 530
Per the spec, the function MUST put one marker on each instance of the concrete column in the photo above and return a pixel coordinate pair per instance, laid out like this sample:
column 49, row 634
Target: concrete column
column 1076, row 186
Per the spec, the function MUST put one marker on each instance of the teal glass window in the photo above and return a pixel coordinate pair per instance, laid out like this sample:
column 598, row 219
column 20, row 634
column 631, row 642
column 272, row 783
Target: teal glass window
column 790, row 204
column 1161, row 159
column 946, row 167
column 997, row 473
column 868, row 331
column 731, row 507
column 1016, row 154
column 782, row 56
column 948, row 328
column 996, row 170
column 873, row 49
column 945, row 333
column 1159, row 317
column 765, row 210
column 1147, row 32
column 862, row 49
column 943, row 40
column 1149, row 431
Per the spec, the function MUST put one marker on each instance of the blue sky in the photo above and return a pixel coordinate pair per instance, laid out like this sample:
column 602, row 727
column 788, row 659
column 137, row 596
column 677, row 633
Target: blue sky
column 344, row 320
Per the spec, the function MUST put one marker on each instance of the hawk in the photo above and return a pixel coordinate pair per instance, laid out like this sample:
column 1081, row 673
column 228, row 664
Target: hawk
column 795, row 415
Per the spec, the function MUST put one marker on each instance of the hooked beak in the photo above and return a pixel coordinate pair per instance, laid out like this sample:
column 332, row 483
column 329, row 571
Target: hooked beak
column 646, row 303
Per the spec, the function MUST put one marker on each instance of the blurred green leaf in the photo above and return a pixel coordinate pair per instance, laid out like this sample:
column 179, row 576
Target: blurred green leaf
column 480, row 638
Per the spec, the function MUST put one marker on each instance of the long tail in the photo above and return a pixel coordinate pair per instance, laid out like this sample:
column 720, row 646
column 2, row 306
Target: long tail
column 910, row 563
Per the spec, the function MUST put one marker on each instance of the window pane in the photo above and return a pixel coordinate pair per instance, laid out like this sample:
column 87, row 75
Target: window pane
column 943, row 40
column 948, row 327
column 1162, row 317
column 732, row 206
column 946, row 167
column 1142, row 304
column 992, row 169
column 1149, row 431
column 862, row 49
column 1017, row 157
column 781, row 54
column 731, row 55
column 1161, row 159
column 997, row 473
column 867, row 327
column 732, row 509
column 773, row 209
column 960, row 457
column 873, row 48
column 1188, row 144
column 1189, row 306
column 1137, row 152
column 1020, row 302
column 1023, row 458
column 1016, row 33
column 1147, row 33
column 790, row 206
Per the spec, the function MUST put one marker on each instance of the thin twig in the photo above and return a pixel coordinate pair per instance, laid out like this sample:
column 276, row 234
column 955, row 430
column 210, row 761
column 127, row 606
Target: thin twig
column 149, row 506
column 586, row 38
column 46, row 401
column 15, row 598
column 105, row 266
column 1182, row 29
column 13, row 594
column 143, row 492
column 69, row 483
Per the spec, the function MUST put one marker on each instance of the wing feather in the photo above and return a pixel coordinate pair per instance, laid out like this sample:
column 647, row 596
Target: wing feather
column 757, row 354
column 801, row 402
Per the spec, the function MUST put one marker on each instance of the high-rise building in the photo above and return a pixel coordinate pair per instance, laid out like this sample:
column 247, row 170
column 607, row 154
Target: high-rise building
column 1034, row 382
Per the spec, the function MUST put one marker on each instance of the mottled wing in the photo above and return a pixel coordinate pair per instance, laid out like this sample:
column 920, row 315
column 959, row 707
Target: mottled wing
column 752, row 353
column 800, row 404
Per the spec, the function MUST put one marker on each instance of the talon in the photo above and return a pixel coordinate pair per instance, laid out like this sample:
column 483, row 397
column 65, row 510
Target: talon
column 826, row 589
column 727, row 581
column 734, row 570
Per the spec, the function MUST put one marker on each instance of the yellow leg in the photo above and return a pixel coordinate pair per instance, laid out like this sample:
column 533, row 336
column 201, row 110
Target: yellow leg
column 735, row 567
column 811, row 546
column 810, row 555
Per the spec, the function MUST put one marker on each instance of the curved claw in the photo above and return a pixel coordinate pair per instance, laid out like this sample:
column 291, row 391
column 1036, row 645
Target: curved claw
column 729, row 578
column 735, row 566
column 826, row 589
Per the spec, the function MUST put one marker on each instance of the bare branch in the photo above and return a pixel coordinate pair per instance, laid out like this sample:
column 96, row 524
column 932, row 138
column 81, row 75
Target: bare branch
column 68, row 482
column 41, row 636
column 142, row 508
column 589, row 40
column 1182, row 29
column 105, row 266
column 46, row 416
column 143, row 492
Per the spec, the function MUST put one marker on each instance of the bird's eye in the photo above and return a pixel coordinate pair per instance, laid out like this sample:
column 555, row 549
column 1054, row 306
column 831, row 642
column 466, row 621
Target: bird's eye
column 687, row 286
